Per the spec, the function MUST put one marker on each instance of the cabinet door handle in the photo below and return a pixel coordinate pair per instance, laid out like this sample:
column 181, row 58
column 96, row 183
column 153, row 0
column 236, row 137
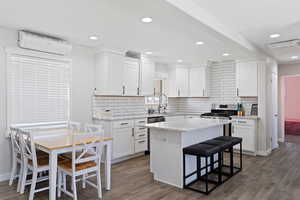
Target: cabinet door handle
column 125, row 123
column 142, row 141
column 179, row 92
column 153, row 90
column 138, row 91
column 132, row 131
column 237, row 92
column 123, row 90
column 142, row 128
column 142, row 135
column 242, row 122
column 203, row 92
column 142, row 121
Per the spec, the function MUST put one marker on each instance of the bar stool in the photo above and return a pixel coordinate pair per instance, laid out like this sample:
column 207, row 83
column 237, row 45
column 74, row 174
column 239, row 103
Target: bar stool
column 234, row 141
column 202, row 150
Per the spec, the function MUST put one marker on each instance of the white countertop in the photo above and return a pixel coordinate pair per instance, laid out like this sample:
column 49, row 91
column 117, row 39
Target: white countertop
column 187, row 124
column 127, row 117
column 255, row 117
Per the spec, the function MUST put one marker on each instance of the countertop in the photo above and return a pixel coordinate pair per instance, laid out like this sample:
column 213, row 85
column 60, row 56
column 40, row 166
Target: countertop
column 128, row 117
column 255, row 117
column 186, row 125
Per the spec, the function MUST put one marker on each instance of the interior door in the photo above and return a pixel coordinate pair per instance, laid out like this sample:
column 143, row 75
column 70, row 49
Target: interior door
column 275, row 110
column 131, row 76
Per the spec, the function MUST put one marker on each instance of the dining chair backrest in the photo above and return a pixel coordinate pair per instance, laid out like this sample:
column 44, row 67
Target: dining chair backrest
column 15, row 142
column 28, row 147
column 90, row 128
column 74, row 126
column 86, row 147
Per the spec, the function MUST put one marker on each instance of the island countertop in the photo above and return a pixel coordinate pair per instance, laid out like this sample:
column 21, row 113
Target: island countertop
column 186, row 125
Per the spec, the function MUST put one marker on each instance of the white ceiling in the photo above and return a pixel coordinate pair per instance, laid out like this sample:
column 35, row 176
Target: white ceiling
column 171, row 36
column 257, row 19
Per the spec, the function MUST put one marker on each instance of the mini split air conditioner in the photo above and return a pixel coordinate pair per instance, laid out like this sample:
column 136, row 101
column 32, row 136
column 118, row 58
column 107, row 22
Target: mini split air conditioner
column 43, row 43
column 285, row 44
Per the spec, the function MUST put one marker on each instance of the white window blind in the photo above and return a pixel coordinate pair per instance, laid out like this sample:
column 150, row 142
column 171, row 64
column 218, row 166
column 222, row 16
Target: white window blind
column 38, row 89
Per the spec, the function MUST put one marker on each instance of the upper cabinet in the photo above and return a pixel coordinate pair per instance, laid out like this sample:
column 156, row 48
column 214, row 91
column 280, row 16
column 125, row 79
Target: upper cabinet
column 178, row 82
column 123, row 76
column 131, row 76
column 198, row 82
column 109, row 73
column 246, row 79
column 147, row 73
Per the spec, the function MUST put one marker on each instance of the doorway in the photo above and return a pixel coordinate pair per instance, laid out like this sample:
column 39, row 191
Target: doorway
column 291, row 107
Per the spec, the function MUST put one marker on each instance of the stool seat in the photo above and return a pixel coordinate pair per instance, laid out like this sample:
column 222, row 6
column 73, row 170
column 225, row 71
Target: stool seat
column 233, row 140
column 201, row 149
column 219, row 143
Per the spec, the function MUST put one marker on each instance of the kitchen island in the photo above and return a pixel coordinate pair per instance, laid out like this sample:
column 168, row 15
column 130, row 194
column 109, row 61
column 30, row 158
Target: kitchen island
column 167, row 139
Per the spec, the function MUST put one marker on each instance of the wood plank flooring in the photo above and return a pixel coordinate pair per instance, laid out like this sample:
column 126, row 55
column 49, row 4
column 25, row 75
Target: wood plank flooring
column 276, row 177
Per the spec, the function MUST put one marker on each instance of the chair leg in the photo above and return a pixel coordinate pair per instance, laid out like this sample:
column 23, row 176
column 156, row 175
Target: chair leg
column 65, row 181
column 59, row 183
column 13, row 172
column 20, row 177
column 99, row 184
column 24, row 177
column 84, row 181
column 33, row 184
column 74, row 187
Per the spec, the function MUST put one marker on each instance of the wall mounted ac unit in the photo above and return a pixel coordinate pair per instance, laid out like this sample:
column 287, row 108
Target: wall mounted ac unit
column 285, row 44
column 43, row 43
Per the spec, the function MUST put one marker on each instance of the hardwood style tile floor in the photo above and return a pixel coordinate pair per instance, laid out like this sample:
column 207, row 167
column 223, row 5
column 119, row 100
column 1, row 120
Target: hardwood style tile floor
column 276, row 177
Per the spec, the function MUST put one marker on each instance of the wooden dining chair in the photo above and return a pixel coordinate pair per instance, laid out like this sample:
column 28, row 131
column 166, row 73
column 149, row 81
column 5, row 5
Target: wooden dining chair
column 34, row 163
column 86, row 157
column 17, row 159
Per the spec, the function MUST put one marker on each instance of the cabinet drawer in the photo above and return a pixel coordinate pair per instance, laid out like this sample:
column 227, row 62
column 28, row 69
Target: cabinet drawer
column 140, row 122
column 140, row 129
column 243, row 122
column 123, row 124
column 140, row 135
column 140, row 145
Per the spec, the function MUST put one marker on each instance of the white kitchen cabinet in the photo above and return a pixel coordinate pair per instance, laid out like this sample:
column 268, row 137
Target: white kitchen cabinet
column 246, row 79
column 147, row 73
column 246, row 129
column 131, row 77
column 178, row 82
column 123, row 142
column 198, row 82
column 129, row 136
column 109, row 73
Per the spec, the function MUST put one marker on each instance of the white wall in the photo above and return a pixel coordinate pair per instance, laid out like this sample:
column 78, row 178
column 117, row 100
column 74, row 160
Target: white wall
column 83, row 67
column 284, row 70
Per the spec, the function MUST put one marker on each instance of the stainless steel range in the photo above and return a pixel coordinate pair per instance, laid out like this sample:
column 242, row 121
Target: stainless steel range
column 222, row 112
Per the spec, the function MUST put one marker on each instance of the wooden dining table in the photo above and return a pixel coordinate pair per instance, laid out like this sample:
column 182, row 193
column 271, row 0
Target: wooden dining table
column 58, row 141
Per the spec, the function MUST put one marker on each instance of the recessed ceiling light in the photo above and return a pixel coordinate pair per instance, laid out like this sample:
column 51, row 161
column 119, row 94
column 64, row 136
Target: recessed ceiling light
column 275, row 35
column 226, row 54
column 93, row 37
column 147, row 19
column 199, row 43
column 179, row 60
column 294, row 57
column 149, row 52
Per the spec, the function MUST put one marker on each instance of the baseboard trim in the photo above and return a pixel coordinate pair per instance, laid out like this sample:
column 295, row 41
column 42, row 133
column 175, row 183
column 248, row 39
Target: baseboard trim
column 4, row 177
column 280, row 140
column 264, row 153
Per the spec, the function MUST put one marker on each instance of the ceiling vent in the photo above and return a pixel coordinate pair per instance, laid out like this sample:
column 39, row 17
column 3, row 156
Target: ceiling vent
column 43, row 43
column 285, row 44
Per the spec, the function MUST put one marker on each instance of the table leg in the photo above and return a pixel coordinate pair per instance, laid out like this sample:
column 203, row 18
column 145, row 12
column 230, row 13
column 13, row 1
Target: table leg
column 108, row 165
column 52, row 175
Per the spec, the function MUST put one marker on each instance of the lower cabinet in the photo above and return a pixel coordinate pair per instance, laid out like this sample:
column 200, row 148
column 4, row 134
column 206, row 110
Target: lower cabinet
column 129, row 136
column 123, row 143
column 246, row 129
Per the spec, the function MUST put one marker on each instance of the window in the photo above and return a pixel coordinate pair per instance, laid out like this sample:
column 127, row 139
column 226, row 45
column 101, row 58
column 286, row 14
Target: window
column 38, row 89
